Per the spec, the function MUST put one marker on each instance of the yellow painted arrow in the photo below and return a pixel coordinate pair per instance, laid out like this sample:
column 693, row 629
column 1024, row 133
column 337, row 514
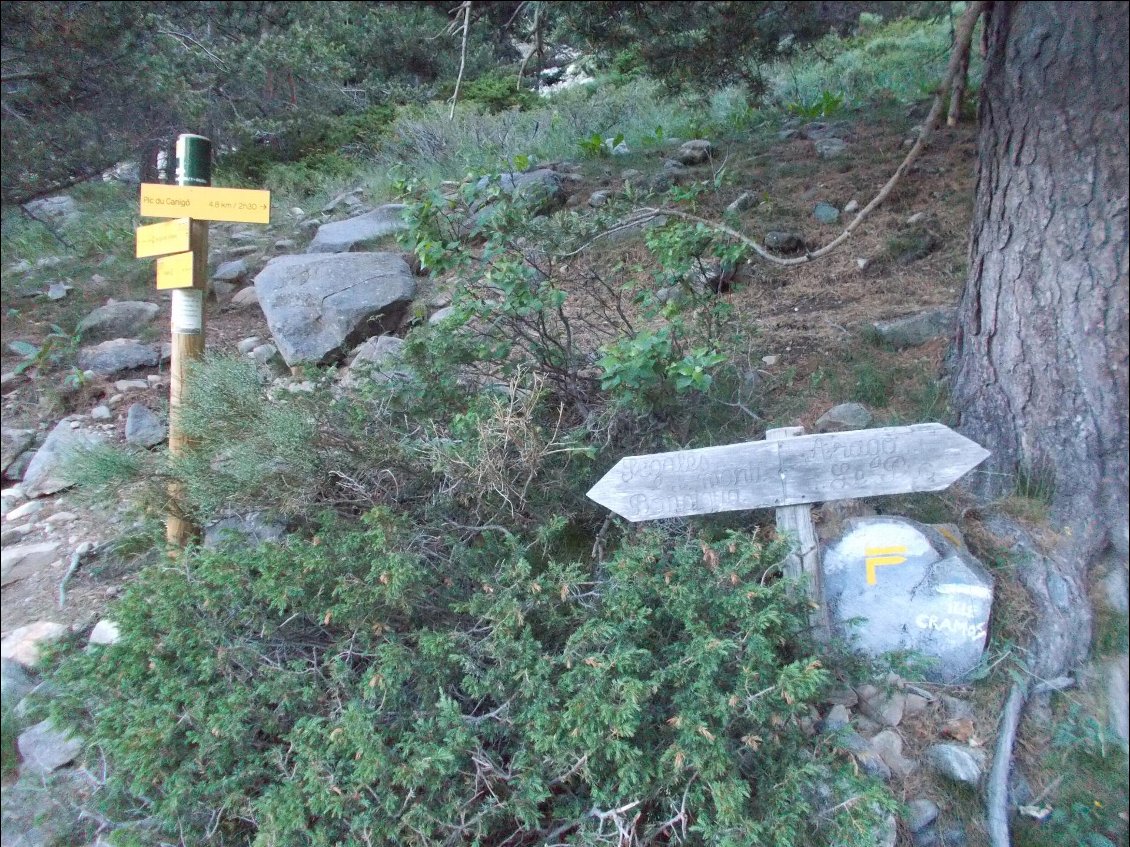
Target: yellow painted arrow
column 877, row 557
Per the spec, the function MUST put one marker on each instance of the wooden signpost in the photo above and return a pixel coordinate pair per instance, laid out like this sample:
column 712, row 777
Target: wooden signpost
column 789, row 471
column 182, row 245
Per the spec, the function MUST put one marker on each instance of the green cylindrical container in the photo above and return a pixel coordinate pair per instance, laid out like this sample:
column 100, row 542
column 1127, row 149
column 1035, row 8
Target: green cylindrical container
column 194, row 160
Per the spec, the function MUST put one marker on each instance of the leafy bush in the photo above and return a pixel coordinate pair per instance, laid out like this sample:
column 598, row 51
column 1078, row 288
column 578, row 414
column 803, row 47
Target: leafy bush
column 497, row 91
column 379, row 685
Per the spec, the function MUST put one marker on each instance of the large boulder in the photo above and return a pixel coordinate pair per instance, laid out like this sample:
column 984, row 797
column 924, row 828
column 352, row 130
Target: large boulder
column 355, row 233
column 21, row 560
column 318, row 306
column 891, row 584
column 47, row 472
column 58, row 209
column 122, row 319
column 118, row 355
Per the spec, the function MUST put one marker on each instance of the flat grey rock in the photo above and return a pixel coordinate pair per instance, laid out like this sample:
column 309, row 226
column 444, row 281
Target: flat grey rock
column 541, row 188
column 118, row 355
column 117, row 320
column 830, row 148
column 245, row 297
column 235, row 270
column 915, row 591
column 144, row 428
column 44, row 749
column 915, row 330
column 58, row 208
column 355, row 233
column 826, row 213
column 888, row 745
column 957, row 762
column 47, row 472
column 844, row 417
column 18, row 561
column 318, row 306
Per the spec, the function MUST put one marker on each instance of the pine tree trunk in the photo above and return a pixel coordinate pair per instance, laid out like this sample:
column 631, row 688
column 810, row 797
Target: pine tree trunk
column 1041, row 354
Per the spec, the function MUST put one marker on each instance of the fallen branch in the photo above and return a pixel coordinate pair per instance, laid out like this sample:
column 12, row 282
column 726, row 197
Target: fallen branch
column 77, row 556
column 962, row 39
column 996, row 793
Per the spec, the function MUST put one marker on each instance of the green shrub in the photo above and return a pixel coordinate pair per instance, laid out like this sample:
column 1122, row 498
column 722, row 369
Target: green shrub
column 376, row 685
column 497, row 91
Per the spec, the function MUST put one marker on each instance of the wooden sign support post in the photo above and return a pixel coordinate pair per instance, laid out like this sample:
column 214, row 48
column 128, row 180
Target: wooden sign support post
column 194, row 167
column 796, row 522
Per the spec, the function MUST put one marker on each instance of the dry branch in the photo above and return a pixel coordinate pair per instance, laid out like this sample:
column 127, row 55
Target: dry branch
column 996, row 793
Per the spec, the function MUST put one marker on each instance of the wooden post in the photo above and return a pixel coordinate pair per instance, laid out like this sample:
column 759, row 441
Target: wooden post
column 194, row 167
column 796, row 522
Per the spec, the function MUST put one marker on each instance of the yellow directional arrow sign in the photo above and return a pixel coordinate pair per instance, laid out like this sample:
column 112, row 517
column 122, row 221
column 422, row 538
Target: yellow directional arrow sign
column 164, row 238
column 204, row 203
column 174, row 271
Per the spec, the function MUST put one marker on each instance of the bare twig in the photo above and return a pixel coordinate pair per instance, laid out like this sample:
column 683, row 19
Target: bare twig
column 996, row 794
column 466, row 7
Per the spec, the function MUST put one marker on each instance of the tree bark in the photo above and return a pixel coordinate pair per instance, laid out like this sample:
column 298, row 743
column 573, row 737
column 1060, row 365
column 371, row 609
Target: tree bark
column 1040, row 361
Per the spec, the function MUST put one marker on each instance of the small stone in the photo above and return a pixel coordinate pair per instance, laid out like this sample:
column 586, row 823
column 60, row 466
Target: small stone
column 956, row 708
column 852, row 206
column 155, row 380
column 235, row 270
column 245, row 297
column 826, row 213
column 957, row 762
column 249, row 344
column 105, row 632
column 60, row 517
column 144, row 428
column 770, row 360
column 784, row 242
column 598, row 199
column 15, row 534
column 842, row 697
column 57, row 291
column 862, row 263
column 886, row 709
column 25, row 511
column 694, row 152
column 286, row 244
column 830, row 148
column 920, row 814
column 846, row 416
column 127, row 385
column 915, row 705
column 115, row 400
column 744, row 202
column 44, row 749
column 916, row 218
column 441, row 315
column 22, row 644
column 254, row 528
column 888, row 745
column 837, row 718
column 101, row 412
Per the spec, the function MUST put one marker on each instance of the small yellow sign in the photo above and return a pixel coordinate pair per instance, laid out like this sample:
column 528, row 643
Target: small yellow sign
column 204, row 203
column 164, row 238
column 175, row 271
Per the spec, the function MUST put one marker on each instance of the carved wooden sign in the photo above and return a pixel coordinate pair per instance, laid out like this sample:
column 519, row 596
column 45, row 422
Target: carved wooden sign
column 787, row 472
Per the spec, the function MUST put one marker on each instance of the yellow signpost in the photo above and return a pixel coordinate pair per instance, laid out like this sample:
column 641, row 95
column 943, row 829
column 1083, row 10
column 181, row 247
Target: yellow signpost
column 175, row 271
column 204, row 203
column 163, row 238
column 182, row 246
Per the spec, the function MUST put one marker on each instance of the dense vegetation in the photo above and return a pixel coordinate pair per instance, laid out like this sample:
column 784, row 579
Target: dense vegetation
column 453, row 645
